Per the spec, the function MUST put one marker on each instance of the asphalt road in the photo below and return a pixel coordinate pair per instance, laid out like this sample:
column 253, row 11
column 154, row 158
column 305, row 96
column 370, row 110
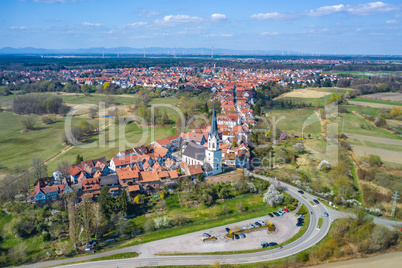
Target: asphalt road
column 312, row 236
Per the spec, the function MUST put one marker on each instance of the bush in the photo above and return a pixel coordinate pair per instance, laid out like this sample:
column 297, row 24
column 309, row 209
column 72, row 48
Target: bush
column 28, row 122
column 48, row 120
column 149, row 226
column 374, row 160
column 302, row 257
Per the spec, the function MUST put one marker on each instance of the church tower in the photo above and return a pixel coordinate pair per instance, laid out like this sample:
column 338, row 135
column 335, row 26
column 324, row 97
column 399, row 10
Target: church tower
column 213, row 155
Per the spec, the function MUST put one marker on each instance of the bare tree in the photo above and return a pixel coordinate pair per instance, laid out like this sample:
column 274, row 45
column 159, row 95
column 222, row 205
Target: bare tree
column 25, row 184
column 87, row 213
column 93, row 112
column 39, row 168
column 73, row 221
column 63, row 167
column 8, row 187
column 28, row 122
column 97, row 217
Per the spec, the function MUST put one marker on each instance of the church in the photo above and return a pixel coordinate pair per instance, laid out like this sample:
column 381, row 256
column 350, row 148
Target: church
column 210, row 157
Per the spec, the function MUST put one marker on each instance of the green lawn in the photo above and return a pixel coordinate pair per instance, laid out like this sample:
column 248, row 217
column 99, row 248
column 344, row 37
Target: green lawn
column 72, row 98
column 294, row 120
column 377, row 101
column 390, row 147
column 320, row 222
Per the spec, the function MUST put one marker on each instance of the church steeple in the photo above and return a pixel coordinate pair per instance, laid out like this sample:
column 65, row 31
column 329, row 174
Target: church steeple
column 214, row 124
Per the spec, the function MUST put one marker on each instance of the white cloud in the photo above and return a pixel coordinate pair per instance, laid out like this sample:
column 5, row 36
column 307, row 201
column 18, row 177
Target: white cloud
column 326, row 10
column 274, row 16
column 18, row 28
column 91, row 24
column 392, row 22
column 371, row 8
column 361, row 9
column 136, row 24
column 178, row 19
column 148, row 13
column 227, row 35
column 270, row 33
column 218, row 17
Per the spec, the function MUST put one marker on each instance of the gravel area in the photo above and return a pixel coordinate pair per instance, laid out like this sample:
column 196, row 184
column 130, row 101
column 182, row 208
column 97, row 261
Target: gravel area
column 285, row 229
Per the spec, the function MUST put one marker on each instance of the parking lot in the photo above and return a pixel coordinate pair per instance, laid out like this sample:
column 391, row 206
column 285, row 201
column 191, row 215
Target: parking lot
column 285, row 229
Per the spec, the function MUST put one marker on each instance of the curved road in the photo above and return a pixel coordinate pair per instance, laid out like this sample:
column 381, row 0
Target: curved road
column 311, row 237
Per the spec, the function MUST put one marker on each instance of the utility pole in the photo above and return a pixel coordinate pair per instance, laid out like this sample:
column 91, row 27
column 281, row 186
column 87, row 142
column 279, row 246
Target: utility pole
column 394, row 204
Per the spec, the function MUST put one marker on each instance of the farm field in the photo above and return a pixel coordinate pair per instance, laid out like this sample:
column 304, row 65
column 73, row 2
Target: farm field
column 389, row 103
column 386, row 155
column 294, row 120
column 356, row 125
column 363, row 110
column 371, row 144
column 313, row 96
column 384, row 96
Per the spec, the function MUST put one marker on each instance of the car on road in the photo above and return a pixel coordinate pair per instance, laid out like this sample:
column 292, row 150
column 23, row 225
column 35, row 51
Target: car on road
column 299, row 224
column 301, row 192
column 326, row 214
column 316, row 201
column 242, row 235
column 262, row 222
column 251, row 225
column 236, row 236
column 257, row 224
column 206, row 235
column 264, row 244
column 227, row 229
column 276, row 214
column 270, row 214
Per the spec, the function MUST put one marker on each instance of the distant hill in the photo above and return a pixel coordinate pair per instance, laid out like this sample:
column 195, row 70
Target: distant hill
column 137, row 51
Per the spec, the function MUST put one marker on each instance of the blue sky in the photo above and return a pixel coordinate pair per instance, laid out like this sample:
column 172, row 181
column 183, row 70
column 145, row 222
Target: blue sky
column 321, row 26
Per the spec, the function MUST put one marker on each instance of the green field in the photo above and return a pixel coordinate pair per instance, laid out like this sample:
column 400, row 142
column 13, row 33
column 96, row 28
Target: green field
column 71, row 98
column 377, row 101
column 319, row 101
column 390, row 147
column 18, row 148
column 353, row 122
column 293, row 123
column 363, row 110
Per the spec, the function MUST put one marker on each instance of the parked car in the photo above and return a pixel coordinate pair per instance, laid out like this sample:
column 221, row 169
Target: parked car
column 257, row 224
column 262, row 222
column 276, row 214
column 300, row 220
column 326, row 214
column 280, row 213
column 206, row 235
column 286, row 210
column 281, row 210
column 251, row 225
column 271, row 244
column 242, row 235
column 110, row 241
column 264, row 244
column 301, row 192
column 299, row 224
column 316, row 201
column 236, row 236
column 300, row 216
column 227, row 229
column 270, row 214
column 244, row 228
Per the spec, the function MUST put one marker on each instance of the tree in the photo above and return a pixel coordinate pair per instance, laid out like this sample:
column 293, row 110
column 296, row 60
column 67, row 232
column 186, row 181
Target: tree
column 396, row 111
column 63, row 166
column 165, row 118
column 93, row 112
column 28, row 122
column 97, row 217
column 257, row 109
column 87, row 214
column 78, row 159
column 374, row 160
column 77, row 134
column 273, row 197
column 123, row 202
column 25, row 184
column 73, row 221
column 240, row 207
column 119, row 222
column 39, row 168
column 86, row 127
column 234, row 144
column 106, row 202
column 206, row 110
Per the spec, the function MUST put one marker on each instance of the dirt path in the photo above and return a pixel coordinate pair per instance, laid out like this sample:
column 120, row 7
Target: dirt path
column 373, row 139
column 372, row 105
column 389, row 156
column 385, row 260
column 69, row 147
